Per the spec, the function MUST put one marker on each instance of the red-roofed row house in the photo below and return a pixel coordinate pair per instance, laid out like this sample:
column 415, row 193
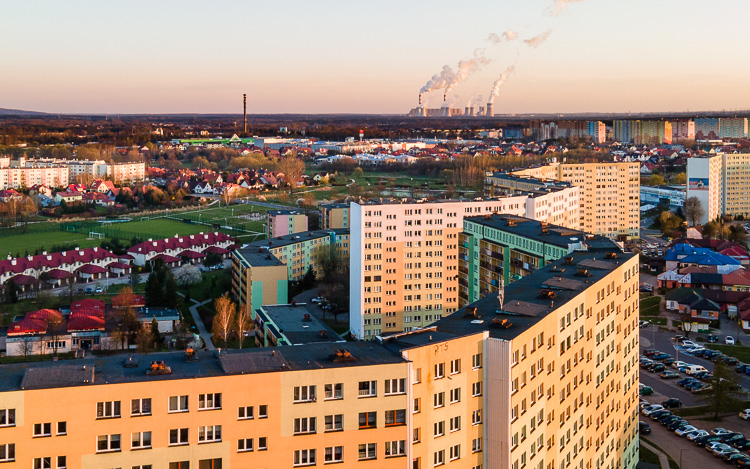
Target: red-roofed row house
column 189, row 248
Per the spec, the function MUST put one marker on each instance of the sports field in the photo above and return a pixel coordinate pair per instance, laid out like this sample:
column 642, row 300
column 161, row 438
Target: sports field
column 19, row 244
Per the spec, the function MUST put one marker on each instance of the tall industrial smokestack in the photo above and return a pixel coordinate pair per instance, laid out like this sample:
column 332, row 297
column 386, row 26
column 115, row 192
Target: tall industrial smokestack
column 420, row 99
column 244, row 113
column 490, row 112
column 445, row 97
column 466, row 111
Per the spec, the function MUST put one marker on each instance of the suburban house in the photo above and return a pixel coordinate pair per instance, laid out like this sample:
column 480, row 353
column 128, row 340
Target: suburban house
column 187, row 248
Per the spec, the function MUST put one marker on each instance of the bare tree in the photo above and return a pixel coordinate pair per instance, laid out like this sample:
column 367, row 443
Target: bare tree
column 693, row 210
column 227, row 195
column 244, row 322
column 27, row 347
column 55, row 330
column 222, row 322
column 293, row 169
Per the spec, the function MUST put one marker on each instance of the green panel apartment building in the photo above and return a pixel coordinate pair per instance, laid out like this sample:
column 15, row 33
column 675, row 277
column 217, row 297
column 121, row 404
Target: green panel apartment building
column 509, row 247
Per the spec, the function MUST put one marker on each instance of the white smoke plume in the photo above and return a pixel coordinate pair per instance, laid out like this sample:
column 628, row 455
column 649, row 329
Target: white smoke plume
column 536, row 41
column 466, row 68
column 508, row 35
column 439, row 80
column 559, row 5
column 499, row 83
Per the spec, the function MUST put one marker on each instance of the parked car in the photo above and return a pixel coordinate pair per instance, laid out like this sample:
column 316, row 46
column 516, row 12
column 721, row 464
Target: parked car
column 644, row 428
column 720, row 431
column 704, row 375
column 643, row 323
column 742, row 444
column 677, row 424
column 99, row 289
column 661, row 356
column 657, row 368
column 668, row 361
column 644, row 390
column 693, row 369
column 729, row 340
column 678, row 364
column 685, row 381
column 671, row 403
column 679, row 338
column 697, row 434
column 712, row 339
column 733, row 457
column 730, row 361
column 745, row 414
column 742, row 368
column 89, row 291
column 669, row 374
column 649, row 352
column 318, row 300
column 723, row 449
column 651, row 409
column 705, row 440
column 689, row 343
column 683, row 431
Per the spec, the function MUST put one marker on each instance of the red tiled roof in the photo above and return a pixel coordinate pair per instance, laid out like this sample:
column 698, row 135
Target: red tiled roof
column 91, row 269
column 138, row 300
column 183, row 242
column 59, row 274
column 216, row 250
column 86, row 304
column 191, row 254
column 166, row 258
column 86, row 320
column 117, row 265
column 34, row 323
column 54, row 260
column 22, row 279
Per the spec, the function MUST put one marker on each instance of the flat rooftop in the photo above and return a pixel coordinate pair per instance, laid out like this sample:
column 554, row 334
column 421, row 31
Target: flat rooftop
column 287, row 240
column 107, row 370
column 258, row 256
column 524, row 305
column 284, row 212
column 410, row 200
column 502, row 175
column 298, row 325
column 534, row 230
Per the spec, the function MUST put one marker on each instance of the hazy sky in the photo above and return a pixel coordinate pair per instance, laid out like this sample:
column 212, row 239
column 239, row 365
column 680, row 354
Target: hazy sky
column 367, row 56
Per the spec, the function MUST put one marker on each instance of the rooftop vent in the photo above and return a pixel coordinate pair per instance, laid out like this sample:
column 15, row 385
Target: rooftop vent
column 472, row 312
column 547, row 293
column 323, row 333
column 342, row 355
column 569, row 260
column 501, row 323
column 583, row 272
column 307, row 318
column 611, row 255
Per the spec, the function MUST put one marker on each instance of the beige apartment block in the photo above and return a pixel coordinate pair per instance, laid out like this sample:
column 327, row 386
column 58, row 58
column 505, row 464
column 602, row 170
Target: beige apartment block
column 404, row 255
column 609, row 194
column 720, row 182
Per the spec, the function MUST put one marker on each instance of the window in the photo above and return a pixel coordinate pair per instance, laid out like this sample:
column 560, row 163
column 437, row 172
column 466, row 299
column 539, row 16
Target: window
column 367, row 420
column 141, row 466
column 456, row 366
column 476, row 389
column 476, row 445
column 105, row 443
column 62, row 428
column 141, row 440
column 416, row 435
column 262, row 411
column 334, row 391
column 368, row 451
column 42, row 429
column 439, row 370
column 244, row 445
column 455, row 424
column 7, row 417
column 417, row 405
column 179, row 465
column 455, row 395
column 304, row 425
column 334, row 423
column 395, row 417
column 438, row 428
column 439, row 399
column 368, row 389
column 455, row 452
column 333, row 454
column 395, row 386
column 476, row 417
column 178, row 404
column 42, row 463
column 304, row 457
column 209, row 463
column 245, row 413
column 395, row 448
column 178, row 436
column 108, row 410
column 209, row 433
column 304, row 393
column 140, row 407
column 417, row 378
column 210, row 401
column 8, row 452
column 476, row 361
column 62, row 462
column 439, row 458
column 262, row 444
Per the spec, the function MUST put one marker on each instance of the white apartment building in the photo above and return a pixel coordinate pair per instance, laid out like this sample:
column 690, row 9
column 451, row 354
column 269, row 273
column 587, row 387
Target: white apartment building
column 404, row 254
column 720, row 183
column 15, row 178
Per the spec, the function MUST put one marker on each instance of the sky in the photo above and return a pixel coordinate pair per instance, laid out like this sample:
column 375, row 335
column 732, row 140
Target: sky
column 372, row 57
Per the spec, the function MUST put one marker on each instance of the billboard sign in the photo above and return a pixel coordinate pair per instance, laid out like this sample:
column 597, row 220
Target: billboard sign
column 698, row 184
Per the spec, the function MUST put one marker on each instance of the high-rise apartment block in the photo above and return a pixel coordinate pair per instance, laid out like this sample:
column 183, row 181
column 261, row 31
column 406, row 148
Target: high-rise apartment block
column 720, row 183
column 404, row 255
column 643, row 132
column 597, row 130
column 683, row 130
column 285, row 222
column 547, row 379
column 54, row 172
column 609, row 194
column 334, row 216
column 498, row 249
column 720, row 127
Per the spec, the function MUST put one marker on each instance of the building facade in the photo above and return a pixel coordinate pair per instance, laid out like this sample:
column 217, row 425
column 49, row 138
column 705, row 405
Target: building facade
column 597, row 130
column 285, row 222
column 500, row 249
column 609, row 194
column 258, row 278
column 720, row 183
column 334, row 216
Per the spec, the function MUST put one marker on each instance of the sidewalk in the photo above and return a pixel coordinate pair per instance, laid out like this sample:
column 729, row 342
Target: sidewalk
column 202, row 332
column 663, row 460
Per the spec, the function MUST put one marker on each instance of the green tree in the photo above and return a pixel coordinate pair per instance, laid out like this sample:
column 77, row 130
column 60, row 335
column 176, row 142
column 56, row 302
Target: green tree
column 669, row 222
column 680, row 178
column 737, row 234
column 156, row 337
column 212, row 259
column 723, row 389
column 656, row 180
column 170, row 298
column 154, row 290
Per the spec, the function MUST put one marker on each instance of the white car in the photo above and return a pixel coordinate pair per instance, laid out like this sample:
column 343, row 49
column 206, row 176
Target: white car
column 678, row 364
column 692, row 436
column 683, row 431
column 100, row 289
column 651, row 409
column 745, row 414
column 689, row 344
column 729, row 340
column 720, row 431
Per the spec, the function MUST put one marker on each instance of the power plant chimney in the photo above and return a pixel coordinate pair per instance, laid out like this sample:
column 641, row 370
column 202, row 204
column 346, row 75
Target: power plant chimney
column 471, row 110
column 244, row 113
column 490, row 112
column 420, row 99
column 445, row 97
column 466, row 111
column 481, row 111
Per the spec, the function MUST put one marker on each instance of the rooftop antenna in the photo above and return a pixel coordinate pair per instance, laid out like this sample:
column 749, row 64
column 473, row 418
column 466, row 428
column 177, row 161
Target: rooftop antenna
column 501, row 292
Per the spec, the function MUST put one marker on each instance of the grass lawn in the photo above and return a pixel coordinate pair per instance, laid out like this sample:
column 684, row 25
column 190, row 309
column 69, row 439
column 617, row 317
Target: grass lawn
column 212, row 285
column 33, row 241
column 650, row 306
column 740, row 352
column 37, row 358
column 162, row 227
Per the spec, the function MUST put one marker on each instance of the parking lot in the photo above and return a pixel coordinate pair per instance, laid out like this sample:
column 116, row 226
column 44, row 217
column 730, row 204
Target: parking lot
column 680, row 447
